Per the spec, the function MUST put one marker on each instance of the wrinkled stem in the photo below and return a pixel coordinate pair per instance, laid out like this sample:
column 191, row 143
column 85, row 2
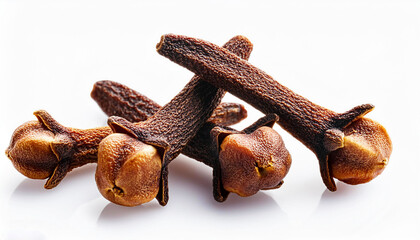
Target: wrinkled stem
column 176, row 123
column 320, row 129
column 71, row 148
column 116, row 99
column 302, row 118
column 86, row 145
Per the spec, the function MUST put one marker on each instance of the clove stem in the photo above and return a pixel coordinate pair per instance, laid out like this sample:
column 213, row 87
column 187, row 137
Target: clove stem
column 320, row 129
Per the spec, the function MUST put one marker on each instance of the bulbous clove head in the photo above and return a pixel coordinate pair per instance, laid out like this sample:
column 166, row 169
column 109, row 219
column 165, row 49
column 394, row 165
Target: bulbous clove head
column 30, row 150
column 128, row 171
column 366, row 151
column 251, row 162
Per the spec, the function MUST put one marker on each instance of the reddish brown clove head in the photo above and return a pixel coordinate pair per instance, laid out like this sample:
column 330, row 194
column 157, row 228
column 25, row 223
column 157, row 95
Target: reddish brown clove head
column 365, row 154
column 30, row 150
column 251, row 162
column 128, row 171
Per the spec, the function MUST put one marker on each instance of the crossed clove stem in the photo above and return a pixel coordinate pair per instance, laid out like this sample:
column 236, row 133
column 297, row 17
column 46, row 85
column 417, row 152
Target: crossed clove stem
column 44, row 148
column 245, row 165
column 133, row 162
column 168, row 131
column 349, row 147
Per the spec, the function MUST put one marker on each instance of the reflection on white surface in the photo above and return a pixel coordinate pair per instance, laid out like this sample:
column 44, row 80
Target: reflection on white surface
column 24, row 234
column 31, row 200
column 192, row 209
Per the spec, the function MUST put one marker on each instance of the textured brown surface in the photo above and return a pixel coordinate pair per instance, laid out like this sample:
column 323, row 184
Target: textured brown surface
column 30, row 150
column 46, row 149
column 176, row 123
column 116, row 99
column 243, row 166
column 365, row 154
column 255, row 161
column 305, row 120
column 201, row 147
column 125, row 158
column 123, row 101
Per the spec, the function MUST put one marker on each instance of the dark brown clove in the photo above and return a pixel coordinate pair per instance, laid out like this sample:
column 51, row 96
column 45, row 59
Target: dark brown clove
column 272, row 177
column 116, row 99
column 168, row 131
column 250, row 160
column 66, row 148
column 46, row 149
column 353, row 158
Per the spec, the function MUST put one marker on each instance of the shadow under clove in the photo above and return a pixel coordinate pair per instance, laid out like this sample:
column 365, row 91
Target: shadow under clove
column 113, row 212
column 198, row 180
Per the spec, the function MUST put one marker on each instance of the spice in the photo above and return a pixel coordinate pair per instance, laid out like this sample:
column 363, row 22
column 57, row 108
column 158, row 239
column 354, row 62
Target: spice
column 167, row 130
column 250, row 160
column 45, row 149
column 116, row 99
column 353, row 158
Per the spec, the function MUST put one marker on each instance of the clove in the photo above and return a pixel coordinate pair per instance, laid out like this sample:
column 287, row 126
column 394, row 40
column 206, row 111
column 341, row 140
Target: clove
column 116, row 99
column 44, row 148
column 348, row 146
column 249, row 160
column 168, row 131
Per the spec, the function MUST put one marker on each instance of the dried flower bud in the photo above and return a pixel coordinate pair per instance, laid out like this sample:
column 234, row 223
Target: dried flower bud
column 250, row 162
column 128, row 171
column 366, row 151
column 30, row 150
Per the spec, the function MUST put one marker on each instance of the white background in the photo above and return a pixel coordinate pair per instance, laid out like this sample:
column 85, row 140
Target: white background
column 336, row 53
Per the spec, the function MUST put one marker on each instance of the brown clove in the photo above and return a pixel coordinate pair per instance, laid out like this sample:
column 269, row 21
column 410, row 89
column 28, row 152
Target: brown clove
column 168, row 130
column 116, row 99
column 349, row 147
column 44, row 148
column 249, row 160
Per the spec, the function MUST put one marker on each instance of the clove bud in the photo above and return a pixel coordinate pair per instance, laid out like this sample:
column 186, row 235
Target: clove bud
column 365, row 152
column 30, row 150
column 122, row 158
column 240, row 174
column 46, row 149
column 249, row 164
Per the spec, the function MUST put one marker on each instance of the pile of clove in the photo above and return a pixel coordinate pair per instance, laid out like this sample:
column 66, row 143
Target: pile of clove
column 133, row 153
